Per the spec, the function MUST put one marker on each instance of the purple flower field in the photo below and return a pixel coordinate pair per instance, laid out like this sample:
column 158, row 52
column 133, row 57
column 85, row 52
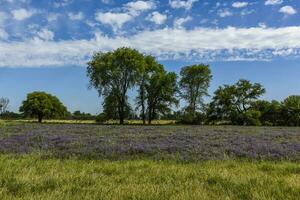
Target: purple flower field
column 187, row 143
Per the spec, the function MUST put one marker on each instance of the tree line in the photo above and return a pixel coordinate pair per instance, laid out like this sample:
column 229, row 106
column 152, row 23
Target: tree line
column 158, row 95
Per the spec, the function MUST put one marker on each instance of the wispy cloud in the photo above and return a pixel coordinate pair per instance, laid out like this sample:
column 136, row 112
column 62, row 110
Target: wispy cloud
column 288, row 10
column 22, row 14
column 255, row 43
column 186, row 4
column 240, row 4
column 273, row 2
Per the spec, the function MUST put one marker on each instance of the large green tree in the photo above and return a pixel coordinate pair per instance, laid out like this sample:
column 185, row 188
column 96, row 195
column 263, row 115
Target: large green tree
column 233, row 102
column 43, row 105
column 161, row 93
column 194, row 84
column 150, row 67
column 116, row 72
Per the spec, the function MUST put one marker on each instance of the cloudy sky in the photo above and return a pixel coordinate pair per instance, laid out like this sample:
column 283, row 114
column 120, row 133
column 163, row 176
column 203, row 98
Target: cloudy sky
column 44, row 45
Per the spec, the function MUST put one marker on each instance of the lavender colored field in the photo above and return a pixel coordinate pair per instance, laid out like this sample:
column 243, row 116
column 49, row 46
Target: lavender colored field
column 187, row 143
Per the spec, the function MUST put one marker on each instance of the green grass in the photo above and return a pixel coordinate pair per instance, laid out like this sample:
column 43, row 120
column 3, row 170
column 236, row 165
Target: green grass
column 33, row 177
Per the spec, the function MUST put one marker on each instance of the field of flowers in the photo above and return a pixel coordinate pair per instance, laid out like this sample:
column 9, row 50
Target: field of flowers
column 88, row 161
column 184, row 143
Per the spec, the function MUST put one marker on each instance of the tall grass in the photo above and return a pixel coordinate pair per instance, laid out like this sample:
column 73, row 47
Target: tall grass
column 33, row 177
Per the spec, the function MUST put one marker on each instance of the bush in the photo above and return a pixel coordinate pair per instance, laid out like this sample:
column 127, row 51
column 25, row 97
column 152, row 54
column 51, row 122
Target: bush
column 101, row 118
column 197, row 119
column 251, row 118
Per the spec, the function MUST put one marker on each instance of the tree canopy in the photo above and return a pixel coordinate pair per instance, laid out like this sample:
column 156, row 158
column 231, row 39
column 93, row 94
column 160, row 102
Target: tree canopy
column 232, row 102
column 194, row 85
column 43, row 105
column 116, row 72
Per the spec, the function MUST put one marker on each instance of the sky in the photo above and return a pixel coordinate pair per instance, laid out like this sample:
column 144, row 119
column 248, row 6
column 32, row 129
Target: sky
column 45, row 45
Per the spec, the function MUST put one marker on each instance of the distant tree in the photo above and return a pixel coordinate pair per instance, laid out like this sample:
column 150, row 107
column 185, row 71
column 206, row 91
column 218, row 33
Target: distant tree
column 231, row 102
column 161, row 93
column 116, row 72
column 291, row 110
column 271, row 112
column 43, row 105
column 150, row 66
column 82, row 115
column 4, row 102
column 194, row 84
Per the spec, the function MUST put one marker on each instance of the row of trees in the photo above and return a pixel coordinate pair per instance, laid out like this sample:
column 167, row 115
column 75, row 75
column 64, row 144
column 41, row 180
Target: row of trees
column 115, row 73
column 158, row 93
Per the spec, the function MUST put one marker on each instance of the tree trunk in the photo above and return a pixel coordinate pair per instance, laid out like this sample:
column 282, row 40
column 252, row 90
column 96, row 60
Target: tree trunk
column 40, row 118
column 149, row 116
column 121, row 112
column 143, row 114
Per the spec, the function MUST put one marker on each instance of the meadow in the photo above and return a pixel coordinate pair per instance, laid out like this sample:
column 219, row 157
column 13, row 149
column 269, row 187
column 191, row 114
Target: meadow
column 89, row 161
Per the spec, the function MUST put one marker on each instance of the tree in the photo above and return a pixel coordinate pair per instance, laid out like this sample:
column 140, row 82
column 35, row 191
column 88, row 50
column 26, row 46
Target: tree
column 271, row 112
column 194, row 84
column 82, row 115
column 110, row 107
column 43, row 105
column 115, row 72
column 4, row 102
column 161, row 93
column 291, row 110
column 150, row 66
column 231, row 102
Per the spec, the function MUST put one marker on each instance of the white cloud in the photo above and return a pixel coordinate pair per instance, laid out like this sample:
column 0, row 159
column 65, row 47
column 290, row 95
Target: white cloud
column 22, row 14
column 273, row 2
column 186, row 4
column 224, row 13
column 140, row 5
column 45, row 34
column 178, row 23
column 230, row 43
column 157, row 18
column 239, row 4
column 116, row 20
column 76, row 16
column 288, row 10
column 52, row 17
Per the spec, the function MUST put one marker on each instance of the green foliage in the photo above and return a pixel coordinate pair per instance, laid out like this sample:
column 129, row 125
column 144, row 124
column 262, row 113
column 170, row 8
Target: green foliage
column 291, row 110
column 77, row 115
column 231, row 102
column 101, row 118
column 111, row 107
column 161, row 93
column 194, row 84
column 150, row 67
column 251, row 118
column 271, row 112
column 116, row 72
column 43, row 105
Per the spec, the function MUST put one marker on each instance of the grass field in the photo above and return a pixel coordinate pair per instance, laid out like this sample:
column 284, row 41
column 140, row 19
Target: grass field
column 32, row 177
column 86, row 161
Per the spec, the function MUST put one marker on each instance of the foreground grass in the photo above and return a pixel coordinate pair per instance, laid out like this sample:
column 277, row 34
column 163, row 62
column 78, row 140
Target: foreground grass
column 32, row 177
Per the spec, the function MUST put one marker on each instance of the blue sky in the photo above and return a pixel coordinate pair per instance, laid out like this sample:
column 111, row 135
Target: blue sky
column 44, row 45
